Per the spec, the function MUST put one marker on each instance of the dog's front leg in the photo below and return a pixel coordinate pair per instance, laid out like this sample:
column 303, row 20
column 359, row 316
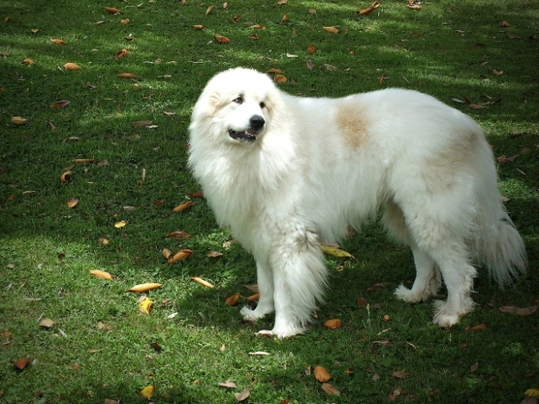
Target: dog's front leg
column 299, row 279
column 265, row 288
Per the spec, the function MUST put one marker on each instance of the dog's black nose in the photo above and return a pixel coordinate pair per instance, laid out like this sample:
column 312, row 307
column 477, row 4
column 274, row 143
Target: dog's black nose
column 257, row 122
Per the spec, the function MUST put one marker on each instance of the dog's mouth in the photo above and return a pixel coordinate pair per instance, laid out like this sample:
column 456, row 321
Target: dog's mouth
column 248, row 135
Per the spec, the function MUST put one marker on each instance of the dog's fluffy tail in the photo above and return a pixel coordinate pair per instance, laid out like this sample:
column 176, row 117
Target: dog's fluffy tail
column 497, row 241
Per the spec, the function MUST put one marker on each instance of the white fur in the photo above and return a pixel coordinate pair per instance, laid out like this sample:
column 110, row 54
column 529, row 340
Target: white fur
column 320, row 164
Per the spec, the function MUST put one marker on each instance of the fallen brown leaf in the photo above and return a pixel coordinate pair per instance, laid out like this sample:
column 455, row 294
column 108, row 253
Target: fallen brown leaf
column 46, row 323
column 330, row 389
column 311, row 49
column 112, row 10
column 198, row 27
column 321, row 374
column 370, row 9
column 28, row 61
column 144, row 287
column 519, row 311
column 71, row 66
column 180, row 255
column 101, row 274
column 209, row 9
column 21, row 363
column 57, row 41
column 60, row 104
column 126, row 75
column 18, row 120
column 125, row 21
column 279, row 78
column 243, row 395
column 401, row 374
column 72, row 202
column 221, row 39
column 333, row 324
column 214, row 254
column 275, row 70
column 333, row 30
column 253, row 298
column 183, row 206
column 166, row 253
column 180, row 235
column 202, row 282
column 232, row 300
column 121, row 53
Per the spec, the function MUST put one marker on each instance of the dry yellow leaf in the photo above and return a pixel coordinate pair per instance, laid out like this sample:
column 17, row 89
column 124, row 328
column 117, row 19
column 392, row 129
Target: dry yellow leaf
column 180, row 255
column 66, row 177
column 126, row 75
column 34, row 30
column 221, row 39
column 333, row 30
column 202, row 282
column 285, row 18
column 232, row 300
column 279, row 78
column 28, row 61
column 209, row 9
column 532, row 392
column 321, row 374
column 126, row 21
column 333, row 324
column 183, row 206
column 198, row 27
column 46, row 323
column 330, row 389
column 120, row 224
column 18, row 120
column 57, row 41
column 101, row 274
column 71, row 66
column 147, row 392
column 144, row 287
column 336, row 252
column 145, row 305
column 72, row 202
column 103, row 240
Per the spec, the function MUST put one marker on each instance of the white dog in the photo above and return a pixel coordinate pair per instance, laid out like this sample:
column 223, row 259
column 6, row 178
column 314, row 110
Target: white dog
column 286, row 172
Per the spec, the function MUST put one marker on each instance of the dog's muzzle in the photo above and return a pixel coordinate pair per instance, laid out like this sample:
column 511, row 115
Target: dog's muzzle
column 256, row 124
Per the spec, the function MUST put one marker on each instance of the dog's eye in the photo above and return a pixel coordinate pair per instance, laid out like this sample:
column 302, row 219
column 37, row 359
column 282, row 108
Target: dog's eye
column 238, row 100
column 262, row 105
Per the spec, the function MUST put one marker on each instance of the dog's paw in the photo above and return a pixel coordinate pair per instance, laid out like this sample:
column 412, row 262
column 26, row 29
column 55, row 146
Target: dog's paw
column 252, row 315
column 442, row 318
column 282, row 333
column 405, row 294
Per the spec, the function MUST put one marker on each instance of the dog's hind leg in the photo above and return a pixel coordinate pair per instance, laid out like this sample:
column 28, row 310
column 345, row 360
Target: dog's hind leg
column 427, row 281
column 458, row 277
column 265, row 288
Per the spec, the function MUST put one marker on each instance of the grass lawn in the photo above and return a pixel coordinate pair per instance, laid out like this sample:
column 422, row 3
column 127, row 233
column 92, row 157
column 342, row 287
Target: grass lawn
column 479, row 56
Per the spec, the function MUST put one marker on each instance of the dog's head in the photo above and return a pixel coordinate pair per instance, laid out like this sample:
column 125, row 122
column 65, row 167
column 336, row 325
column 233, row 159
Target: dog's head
column 235, row 106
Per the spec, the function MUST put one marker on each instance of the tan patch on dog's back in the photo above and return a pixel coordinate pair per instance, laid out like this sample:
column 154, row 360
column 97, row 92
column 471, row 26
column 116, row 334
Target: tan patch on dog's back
column 351, row 122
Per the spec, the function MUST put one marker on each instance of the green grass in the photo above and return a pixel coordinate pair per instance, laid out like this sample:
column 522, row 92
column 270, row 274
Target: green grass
column 100, row 345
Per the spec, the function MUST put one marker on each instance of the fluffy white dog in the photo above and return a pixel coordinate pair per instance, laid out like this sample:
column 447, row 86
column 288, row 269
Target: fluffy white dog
column 286, row 172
